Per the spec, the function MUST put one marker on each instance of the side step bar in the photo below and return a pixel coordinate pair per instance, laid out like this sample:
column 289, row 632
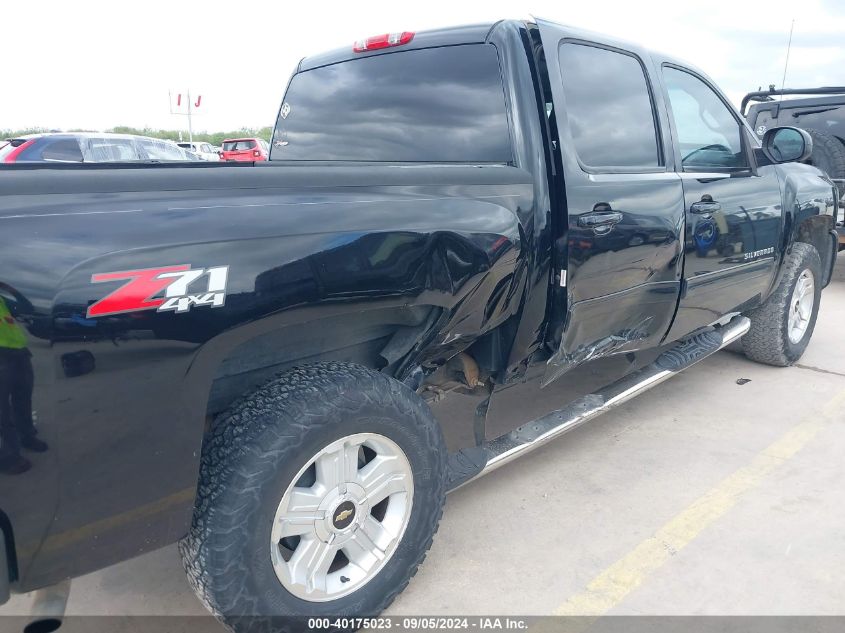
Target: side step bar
column 469, row 464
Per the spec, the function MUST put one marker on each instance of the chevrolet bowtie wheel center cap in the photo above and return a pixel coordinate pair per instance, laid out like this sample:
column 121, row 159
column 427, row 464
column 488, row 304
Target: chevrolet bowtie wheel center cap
column 343, row 515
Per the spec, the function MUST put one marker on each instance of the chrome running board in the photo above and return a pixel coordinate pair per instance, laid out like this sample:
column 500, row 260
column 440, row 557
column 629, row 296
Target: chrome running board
column 524, row 439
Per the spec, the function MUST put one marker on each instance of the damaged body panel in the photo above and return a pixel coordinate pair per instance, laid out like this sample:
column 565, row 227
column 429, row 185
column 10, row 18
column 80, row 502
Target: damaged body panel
column 625, row 205
column 526, row 217
column 397, row 267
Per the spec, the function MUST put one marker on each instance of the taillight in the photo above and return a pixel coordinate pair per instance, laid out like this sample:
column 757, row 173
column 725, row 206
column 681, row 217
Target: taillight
column 12, row 156
column 256, row 153
column 382, row 41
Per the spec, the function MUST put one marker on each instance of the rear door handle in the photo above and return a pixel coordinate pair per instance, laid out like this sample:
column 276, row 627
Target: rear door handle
column 705, row 207
column 601, row 219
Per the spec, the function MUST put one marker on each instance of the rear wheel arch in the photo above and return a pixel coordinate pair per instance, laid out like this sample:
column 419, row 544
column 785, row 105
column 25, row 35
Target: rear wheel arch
column 242, row 359
column 322, row 402
column 246, row 358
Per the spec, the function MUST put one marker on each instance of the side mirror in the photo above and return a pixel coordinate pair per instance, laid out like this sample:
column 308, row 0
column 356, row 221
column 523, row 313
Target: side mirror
column 787, row 144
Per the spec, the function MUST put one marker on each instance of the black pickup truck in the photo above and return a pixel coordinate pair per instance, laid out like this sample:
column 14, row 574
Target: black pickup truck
column 285, row 366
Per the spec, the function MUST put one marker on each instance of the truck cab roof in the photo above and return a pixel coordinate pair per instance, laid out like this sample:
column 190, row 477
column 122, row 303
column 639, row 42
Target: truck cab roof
column 472, row 34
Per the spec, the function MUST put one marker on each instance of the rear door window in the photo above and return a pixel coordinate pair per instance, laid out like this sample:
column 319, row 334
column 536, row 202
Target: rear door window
column 609, row 107
column 64, row 150
column 106, row 150
column 428, row 105
column 822, row 116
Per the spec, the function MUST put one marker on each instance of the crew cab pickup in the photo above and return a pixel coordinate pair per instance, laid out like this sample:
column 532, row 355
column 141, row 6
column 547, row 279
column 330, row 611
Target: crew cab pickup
column 286, row 365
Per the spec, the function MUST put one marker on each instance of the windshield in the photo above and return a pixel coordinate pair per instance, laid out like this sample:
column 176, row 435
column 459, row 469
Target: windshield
column 434, row 105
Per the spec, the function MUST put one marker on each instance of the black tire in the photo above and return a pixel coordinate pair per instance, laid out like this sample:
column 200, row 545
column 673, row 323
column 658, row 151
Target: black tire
column 828, row 154
column 253, row 453
column 768, row 341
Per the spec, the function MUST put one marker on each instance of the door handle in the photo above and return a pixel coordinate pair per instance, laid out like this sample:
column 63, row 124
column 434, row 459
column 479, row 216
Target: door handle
column 705, row 207
column 601, row 219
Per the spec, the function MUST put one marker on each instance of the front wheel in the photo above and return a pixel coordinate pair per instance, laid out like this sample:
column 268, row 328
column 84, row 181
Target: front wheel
column 319, row 495
column 781, row 328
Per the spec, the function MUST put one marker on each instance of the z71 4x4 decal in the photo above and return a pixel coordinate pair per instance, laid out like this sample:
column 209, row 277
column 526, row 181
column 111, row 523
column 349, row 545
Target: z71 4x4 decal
column 143, row 288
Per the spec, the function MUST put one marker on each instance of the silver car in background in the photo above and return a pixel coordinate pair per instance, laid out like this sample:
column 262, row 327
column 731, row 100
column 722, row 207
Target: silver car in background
column 90, row 147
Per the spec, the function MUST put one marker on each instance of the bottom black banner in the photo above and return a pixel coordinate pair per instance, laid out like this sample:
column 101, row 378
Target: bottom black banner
column 532, row 624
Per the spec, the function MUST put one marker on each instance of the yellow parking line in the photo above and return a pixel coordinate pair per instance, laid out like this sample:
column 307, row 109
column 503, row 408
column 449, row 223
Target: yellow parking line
column 612, row 585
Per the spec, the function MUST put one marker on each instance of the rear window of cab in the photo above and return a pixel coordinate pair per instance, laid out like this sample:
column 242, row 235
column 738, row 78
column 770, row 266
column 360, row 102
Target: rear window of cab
column 442, row 104
column 240, row 145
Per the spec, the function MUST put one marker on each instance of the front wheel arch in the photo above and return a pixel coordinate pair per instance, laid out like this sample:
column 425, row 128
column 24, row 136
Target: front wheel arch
column 816, row 231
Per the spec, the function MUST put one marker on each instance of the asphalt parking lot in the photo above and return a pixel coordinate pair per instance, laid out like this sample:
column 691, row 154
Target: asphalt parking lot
column 703, row 496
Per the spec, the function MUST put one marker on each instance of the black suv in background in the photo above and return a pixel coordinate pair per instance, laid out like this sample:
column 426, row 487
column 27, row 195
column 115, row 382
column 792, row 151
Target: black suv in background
column 819, row 111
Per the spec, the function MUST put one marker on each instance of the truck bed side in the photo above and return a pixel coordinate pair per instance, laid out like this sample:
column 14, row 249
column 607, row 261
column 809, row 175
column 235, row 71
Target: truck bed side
column 389, row 266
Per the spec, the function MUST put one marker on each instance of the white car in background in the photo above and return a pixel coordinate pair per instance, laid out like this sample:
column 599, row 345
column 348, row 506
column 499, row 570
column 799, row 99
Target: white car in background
column 205, row 151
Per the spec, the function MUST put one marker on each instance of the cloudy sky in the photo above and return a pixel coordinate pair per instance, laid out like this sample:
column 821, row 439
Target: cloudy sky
column 94, row 65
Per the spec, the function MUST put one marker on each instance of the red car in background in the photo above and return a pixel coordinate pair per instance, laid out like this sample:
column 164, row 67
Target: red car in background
column 245, row 149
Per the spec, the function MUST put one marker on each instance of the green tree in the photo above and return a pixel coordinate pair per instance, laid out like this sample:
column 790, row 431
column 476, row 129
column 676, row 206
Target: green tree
column 6, row 133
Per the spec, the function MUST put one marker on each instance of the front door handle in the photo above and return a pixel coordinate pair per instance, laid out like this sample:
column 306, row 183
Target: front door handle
column 705, row 206
column 604, row 219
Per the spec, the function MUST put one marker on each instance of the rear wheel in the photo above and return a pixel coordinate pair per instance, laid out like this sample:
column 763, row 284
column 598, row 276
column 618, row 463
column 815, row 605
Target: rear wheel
column 342, row 516
column 781, row 328
column 319, row 495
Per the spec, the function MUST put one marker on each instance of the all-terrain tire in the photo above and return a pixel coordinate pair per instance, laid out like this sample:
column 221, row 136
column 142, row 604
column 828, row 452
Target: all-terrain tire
column 252, row 455
column 768, row 339
column 828, row 154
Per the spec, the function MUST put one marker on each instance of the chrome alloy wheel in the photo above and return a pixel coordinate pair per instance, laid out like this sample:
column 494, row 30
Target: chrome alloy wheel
column 801, row 306
column 342, row 518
